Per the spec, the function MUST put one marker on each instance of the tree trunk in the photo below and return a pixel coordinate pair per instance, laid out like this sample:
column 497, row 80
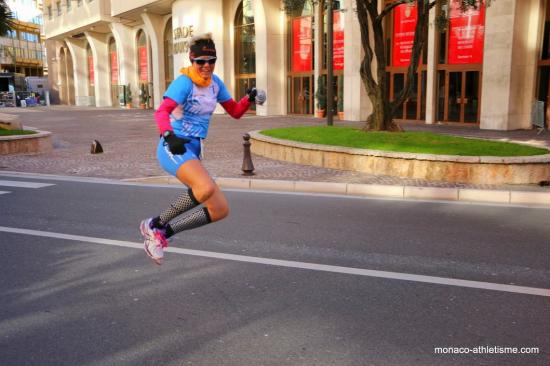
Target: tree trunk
column 381, row 118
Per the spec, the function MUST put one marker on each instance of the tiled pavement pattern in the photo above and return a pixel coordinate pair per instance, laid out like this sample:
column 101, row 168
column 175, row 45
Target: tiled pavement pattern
column 129, row 139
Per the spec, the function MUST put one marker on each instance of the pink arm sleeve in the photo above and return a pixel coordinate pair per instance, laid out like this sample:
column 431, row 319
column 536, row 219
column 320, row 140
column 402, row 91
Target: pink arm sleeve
column 236, row 110
column 162, row 114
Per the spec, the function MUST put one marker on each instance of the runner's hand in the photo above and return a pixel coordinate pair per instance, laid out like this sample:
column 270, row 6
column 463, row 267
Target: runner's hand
column 251, row 94
column 176, row 144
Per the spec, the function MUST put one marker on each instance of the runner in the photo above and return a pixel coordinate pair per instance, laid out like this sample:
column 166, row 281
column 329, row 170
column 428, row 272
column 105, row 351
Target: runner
column 183, row 119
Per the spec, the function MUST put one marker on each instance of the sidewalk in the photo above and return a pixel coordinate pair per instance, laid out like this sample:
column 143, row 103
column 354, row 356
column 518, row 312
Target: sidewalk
column 129, row 140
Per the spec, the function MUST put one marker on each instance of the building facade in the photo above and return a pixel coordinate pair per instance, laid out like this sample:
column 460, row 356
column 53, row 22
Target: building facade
column 487, row 67
column 21, row 50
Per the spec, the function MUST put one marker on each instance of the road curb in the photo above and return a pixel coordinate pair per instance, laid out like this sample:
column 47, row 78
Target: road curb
column 376, row 190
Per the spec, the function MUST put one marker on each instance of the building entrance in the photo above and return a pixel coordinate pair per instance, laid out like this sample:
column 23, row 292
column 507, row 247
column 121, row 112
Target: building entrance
column 459, row 95
column 414, row 108
column 245, row 49
column 300, row 59
column 301, row 92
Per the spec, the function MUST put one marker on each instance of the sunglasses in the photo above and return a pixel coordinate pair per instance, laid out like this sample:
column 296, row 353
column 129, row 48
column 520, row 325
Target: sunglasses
column 200, row 61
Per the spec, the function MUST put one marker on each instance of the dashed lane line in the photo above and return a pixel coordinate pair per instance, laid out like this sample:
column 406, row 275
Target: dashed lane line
column 20, row 184
column 299, row 265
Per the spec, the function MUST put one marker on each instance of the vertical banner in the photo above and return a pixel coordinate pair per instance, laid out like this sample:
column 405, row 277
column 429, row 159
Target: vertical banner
column 404, row 22
column 302, row 47
column 338, row 40
column 142, row 54
column 91, row 69
column 114, row 68
column 466, row 35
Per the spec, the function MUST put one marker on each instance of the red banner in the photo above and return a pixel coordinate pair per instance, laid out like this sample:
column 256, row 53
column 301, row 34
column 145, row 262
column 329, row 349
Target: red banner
column 91, row 69
column 143, row 66
column 338, row 40
column 114, row 68
column 302, row 47
column 466, row 35
column 404, row 22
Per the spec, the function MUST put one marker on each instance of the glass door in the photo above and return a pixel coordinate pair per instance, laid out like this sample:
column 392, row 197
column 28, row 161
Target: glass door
column 454, row 96
column 470, row 101
column 414, row 108
column 301, row 101
column 458, row 96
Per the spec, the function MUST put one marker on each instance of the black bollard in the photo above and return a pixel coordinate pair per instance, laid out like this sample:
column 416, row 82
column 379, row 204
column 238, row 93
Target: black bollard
column 96, row 147
column 248, row 167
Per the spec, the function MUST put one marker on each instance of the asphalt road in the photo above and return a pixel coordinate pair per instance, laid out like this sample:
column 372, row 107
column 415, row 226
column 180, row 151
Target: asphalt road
column 286, row 280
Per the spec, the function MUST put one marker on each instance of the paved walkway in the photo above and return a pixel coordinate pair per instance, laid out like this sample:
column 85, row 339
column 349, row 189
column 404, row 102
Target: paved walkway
column 129, row 139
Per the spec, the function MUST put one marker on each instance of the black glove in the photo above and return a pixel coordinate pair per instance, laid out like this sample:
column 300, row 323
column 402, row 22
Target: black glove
column 252, row 92
column 176, row 144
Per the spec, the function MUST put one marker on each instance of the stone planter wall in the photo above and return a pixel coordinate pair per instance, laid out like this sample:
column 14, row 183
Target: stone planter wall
column 37, row 143
column 448, row 168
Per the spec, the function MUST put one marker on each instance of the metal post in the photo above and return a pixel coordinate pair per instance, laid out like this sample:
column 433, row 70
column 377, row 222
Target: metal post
column 330, row 71
column 248, row 167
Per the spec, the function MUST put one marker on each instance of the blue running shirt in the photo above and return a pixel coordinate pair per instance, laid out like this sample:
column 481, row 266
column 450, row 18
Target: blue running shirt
column 195, row 105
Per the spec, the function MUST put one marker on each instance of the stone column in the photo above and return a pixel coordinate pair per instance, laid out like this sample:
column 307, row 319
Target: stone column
column 270, row 55
column 431, row 71
column 205, row 16
column 510, row 63
column 100, row 51
column 357, row 105
column 154, row 24
column 77, row 49
column 126, row 50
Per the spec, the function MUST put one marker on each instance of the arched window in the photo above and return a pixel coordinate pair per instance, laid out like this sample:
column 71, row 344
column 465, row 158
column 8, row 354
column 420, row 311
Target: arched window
column 245, row 48
column 143, row 71
column 113, row 69
column 300, row 58
column 91, row 74
column 143, row 66
column 168, row 53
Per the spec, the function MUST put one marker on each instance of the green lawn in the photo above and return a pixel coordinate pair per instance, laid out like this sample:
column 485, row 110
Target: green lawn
column 413, row 142
column 4, row 132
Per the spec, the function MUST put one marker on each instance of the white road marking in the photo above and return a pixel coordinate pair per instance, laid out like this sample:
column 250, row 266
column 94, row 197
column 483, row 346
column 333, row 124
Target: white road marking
column 4, row 192
column 14, row 183
column 300, row 265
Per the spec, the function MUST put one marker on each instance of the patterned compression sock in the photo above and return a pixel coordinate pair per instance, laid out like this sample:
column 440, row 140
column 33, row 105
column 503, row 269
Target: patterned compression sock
column 184, row 203
column 190, row 221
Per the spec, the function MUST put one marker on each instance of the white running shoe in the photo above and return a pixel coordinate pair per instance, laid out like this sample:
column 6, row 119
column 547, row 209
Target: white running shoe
column 154, row 241
column 145, row 229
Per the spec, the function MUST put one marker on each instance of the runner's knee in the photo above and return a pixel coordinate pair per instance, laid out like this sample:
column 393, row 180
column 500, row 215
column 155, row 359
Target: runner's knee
column 204, row 192
column 218, row 211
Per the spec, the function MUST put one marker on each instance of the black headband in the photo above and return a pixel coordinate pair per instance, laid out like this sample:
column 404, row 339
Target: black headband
column 202, row 47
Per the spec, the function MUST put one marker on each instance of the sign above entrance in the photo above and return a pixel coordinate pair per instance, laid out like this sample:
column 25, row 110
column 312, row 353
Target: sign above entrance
column 338, row 40
column 404, row 24
column 143, row 66
column 114, row 68
column 466, row 35
column 91, row 74
column 184, row 33
column 302, row 47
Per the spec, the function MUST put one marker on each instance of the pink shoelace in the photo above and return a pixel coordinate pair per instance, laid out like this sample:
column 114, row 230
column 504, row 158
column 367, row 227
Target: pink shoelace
column 159, row 238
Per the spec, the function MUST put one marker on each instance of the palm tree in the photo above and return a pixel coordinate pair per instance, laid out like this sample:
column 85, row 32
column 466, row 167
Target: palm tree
column 6, row 18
